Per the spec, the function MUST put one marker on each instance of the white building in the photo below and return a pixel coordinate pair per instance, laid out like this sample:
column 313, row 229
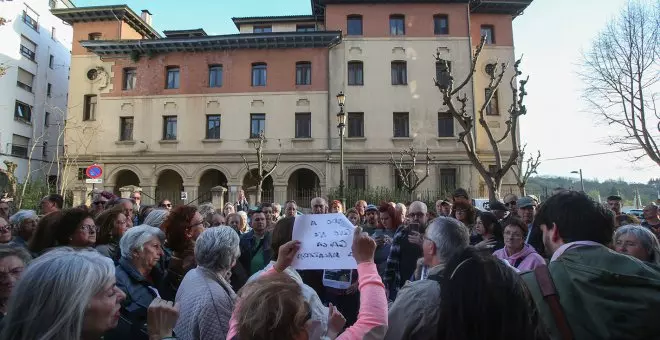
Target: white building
column 35, row 53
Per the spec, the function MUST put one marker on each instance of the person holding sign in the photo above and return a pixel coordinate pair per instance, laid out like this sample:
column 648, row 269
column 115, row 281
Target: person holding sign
column 253, row 317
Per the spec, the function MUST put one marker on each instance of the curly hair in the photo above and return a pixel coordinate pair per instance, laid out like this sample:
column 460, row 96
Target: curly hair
column 106, row 223
column 470, row 212
column 176, row 225
column 386, row 208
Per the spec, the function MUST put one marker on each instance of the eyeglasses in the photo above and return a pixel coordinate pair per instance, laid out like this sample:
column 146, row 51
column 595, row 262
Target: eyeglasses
column 510, row 203
column 5, row 227
column 168, row 205
column 89, row 228
column 418, row 215
column 98, row 203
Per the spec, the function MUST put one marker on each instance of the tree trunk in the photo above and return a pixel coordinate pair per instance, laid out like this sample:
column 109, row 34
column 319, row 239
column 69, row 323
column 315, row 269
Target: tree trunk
column 258, row 197
column 523, row 191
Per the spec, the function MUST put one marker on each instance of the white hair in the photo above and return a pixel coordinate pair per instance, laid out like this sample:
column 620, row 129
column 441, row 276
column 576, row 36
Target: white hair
column 50, row 299
column 449, row 235
column 135, row 238
column 207, row 210
column 217, row 248
column 17, row 219
column 401, row 208
column 648, row 240
column 156, row 217
column 420, row 205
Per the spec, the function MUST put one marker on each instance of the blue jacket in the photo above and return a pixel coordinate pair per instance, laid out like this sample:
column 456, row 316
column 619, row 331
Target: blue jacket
column 247, row 244
column 139, row 292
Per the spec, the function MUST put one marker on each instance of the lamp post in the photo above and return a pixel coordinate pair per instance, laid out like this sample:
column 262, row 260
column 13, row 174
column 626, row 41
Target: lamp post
column 581, row 180
column 341, row 125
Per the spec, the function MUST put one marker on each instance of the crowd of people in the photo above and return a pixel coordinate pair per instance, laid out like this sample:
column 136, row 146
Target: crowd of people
column 565, row 268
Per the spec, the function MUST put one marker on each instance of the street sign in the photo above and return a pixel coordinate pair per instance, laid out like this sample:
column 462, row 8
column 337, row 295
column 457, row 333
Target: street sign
column 93, row 180
column 184, row 196
column 94, row 171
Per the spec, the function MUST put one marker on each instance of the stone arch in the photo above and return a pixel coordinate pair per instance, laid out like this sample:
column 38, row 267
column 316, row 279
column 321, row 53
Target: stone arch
column 303, row 185
column 290, row 170
column 209, row 179
column 169, row 184
column 112, row 175
column 124, row 178
column 197, row 177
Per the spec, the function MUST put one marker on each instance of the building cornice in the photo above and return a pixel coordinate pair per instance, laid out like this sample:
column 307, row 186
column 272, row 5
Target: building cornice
column 106, row 13
column 318, row 39
column 511, row 7
column 238, row 21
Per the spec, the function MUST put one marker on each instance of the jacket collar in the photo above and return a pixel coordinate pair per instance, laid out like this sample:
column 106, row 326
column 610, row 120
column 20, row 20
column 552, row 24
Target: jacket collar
column 130, row 269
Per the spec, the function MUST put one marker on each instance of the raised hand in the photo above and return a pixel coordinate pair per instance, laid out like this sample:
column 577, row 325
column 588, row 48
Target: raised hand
column 363, row 246
column 286, row 254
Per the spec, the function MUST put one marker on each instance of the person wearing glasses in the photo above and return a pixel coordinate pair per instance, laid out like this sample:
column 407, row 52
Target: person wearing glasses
column 516, row 252
column 182, row 227
column 5, row 231
column 511, row 203
column 76, row 229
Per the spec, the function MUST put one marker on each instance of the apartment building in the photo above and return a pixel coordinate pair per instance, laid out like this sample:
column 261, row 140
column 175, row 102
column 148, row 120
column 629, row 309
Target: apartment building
column 35, row 53
column 178, row 112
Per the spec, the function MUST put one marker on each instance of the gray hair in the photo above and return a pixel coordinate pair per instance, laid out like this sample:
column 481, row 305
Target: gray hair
column 277, row 206
column 648, row 240
column 418, row 204
column 449, row 235
column 217, row 248
column 36, row 307
column 22, row 215
column 17, row 251
column 401, row 208
column 135, row 238
column 207, row 210
column 156, row 217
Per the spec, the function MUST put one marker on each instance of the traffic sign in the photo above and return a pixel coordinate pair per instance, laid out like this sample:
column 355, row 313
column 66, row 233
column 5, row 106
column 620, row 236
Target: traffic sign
column 94, row 180
column 94, row 171
column 184, row 196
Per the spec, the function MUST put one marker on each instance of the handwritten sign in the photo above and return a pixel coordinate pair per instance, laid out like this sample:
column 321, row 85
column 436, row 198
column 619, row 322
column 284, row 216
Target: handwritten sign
column 325, row 242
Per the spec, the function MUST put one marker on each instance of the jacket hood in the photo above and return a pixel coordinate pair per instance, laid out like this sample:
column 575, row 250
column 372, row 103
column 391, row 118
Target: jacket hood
column 527, row 249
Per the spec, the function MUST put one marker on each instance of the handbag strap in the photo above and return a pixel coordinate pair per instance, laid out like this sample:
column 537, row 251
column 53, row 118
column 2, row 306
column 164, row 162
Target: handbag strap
column 551, row 297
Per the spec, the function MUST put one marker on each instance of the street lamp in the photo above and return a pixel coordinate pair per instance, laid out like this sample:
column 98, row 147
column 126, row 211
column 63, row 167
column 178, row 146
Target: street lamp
column 581, row 180
column 341, row 125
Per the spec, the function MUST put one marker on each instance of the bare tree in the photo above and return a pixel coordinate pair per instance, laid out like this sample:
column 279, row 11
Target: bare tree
column 78, row 140
column 621, row 73
column 406, row 169
column 456, row 103
column 262, row 169
column 26, row 180
column 525, row 168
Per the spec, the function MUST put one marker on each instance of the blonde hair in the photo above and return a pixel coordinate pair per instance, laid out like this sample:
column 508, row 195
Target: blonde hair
column 271, row 308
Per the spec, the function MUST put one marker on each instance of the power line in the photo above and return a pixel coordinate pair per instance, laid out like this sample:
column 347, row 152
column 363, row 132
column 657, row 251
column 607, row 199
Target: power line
column 591, row 154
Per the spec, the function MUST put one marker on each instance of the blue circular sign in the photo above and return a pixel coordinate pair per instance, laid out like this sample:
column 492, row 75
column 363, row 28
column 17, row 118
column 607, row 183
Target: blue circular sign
column 94, row 171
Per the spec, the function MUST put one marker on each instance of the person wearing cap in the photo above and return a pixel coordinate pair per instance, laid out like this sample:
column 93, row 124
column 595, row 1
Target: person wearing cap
column 443, row 208
column 526, row 207
column 371, row 219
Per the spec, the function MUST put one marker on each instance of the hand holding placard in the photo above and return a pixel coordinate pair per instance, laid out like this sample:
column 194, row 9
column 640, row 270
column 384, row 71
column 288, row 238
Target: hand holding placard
column 363, row 247
column 325, row 242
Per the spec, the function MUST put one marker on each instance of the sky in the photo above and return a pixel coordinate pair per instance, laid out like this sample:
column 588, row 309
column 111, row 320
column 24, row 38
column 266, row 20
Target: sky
column 551, row 36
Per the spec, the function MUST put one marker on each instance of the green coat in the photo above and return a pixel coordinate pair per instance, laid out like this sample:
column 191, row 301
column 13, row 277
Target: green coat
column 604, row 295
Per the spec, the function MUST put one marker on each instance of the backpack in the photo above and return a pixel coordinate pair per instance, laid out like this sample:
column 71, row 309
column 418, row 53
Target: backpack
column 599, row 294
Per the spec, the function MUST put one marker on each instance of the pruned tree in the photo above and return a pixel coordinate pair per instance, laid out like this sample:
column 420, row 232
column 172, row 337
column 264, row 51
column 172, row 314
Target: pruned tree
column 262, row 167
column 28, row 174
column 525, row 168
column 456, row 100
column 621, row 72
column 406, row 169
column 75, row 149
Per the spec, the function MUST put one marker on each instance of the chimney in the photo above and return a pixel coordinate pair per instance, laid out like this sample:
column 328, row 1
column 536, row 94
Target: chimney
column 146, row 16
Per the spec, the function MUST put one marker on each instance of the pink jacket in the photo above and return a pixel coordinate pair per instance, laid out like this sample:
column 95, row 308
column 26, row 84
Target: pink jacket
column 528, row 259
column 372, row 319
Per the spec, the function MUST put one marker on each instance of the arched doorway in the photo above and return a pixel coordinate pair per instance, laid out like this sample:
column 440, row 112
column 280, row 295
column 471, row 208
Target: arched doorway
column 210, row 179
column 169, row 186
column 125, row 178
column 303, row 185
column 250, row 187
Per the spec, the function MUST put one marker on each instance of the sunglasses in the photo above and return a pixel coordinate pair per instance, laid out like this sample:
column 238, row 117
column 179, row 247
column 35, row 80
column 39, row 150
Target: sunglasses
column 510, row 203
column 98, row 203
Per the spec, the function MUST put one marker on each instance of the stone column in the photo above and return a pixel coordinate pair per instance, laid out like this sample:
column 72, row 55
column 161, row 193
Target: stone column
column 218, row 197
column 279, row 194
column 79, row 195
column 149, row 195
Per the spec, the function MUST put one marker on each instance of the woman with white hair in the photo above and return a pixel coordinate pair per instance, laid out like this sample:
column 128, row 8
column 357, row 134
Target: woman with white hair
column 205, row 294
column 37, row 309
column 25, row 224
column 637, row 241
column 138, row 275
column 156, row 217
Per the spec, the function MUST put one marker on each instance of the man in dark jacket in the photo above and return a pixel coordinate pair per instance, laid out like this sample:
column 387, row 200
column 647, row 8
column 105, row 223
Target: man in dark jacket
column 255, row 244
column 602, row 294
